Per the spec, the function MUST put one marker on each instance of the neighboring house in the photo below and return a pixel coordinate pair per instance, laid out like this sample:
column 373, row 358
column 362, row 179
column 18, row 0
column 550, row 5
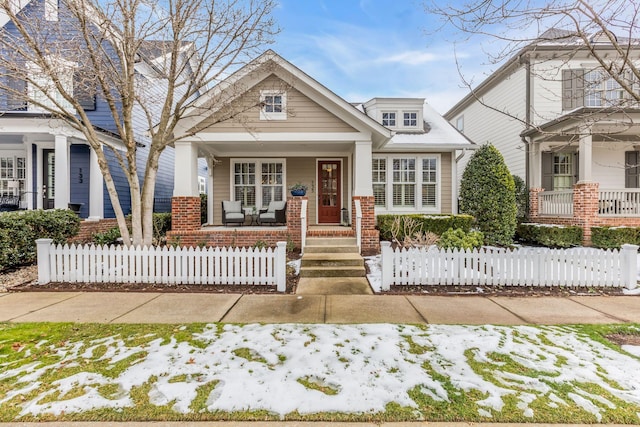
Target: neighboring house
column 579, row 154
column 277, row 126
column 50, row 165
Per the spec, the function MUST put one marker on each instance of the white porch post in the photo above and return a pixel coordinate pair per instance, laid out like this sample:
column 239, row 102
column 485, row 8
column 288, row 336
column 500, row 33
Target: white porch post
column 28, row 197
column 362, row 158
column 535, row 165
column 210, row 165
column 62, row 189
column 585, row 156
column 186, row 170
column 96, row 183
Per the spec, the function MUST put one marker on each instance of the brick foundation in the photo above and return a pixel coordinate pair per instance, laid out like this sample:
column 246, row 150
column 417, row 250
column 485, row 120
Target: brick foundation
column 370, row 236
column 185, row 214
column 89, row 228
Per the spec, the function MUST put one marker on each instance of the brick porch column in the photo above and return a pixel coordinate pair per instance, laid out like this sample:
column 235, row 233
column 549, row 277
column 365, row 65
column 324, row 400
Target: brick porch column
column 294, row 223
column 534, row 207
column 370, row 236
column 185, row 214
column 585, row 207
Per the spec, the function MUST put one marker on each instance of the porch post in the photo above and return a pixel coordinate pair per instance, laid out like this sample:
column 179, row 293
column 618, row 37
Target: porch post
column 62, row 198
column 96, row 184
column 585, row 207
column 585, row 157
column 535, row 166
column 210, row 165
column 185, row 204
column 362, row 164
column 363, row 191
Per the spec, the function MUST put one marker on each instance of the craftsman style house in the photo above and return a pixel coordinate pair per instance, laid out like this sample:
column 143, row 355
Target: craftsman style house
column 270, row 125
column 566, row 126
column 46, row 164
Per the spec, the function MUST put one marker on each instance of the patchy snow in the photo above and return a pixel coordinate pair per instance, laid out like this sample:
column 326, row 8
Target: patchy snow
column 632, row 349
column 365, row 366
column 295, row 264
column 375, row 273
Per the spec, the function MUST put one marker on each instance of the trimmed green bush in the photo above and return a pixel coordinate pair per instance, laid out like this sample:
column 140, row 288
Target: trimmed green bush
column 614, row 237
column 161, row 224
column 19, row 231
column 109, row 237
column 459, row 239
column 522, row 199
column 436, row 224
column 487, row 192
column 553, row 236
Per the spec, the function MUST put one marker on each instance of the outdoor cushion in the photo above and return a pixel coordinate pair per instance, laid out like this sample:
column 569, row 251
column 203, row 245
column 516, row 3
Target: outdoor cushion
column 232, row 207
column 268, row 215
column 275, row 206
column 233, row 215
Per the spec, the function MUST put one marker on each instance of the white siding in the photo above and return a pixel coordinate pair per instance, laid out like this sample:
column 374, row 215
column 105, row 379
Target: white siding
column 482, row 124
column 608, row 164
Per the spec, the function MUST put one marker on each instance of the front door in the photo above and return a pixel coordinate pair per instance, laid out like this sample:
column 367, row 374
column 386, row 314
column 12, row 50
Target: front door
column 48, row 179
column 328, row 192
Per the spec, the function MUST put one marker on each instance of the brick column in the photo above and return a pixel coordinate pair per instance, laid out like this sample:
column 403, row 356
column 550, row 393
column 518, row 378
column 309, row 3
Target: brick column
column 294, row 207
column 534, row 208
column 370, row 236
column 185, row 213
column 585, row 207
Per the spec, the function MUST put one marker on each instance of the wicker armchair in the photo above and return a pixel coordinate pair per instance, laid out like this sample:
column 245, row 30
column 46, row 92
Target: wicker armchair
column 276, row 213
column 232, row 212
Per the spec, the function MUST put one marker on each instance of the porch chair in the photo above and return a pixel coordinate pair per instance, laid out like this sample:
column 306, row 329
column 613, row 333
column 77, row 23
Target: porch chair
column 232, row 212
column 276, row 213
column 9, row 203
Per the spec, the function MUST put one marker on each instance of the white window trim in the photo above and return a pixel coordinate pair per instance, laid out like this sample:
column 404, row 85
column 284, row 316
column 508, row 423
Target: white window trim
column 389, row 208
column 273, row 116
column 258, row 184
column 460, row 123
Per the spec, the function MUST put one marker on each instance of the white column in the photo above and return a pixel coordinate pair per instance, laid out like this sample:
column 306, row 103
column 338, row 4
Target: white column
column 585, row 156
column 39, row 177
column 186, row 169
column 362, row 158
column 62, row 197
column 96, row 185
column 535, row 165
column 27, row 198
column 210, row 164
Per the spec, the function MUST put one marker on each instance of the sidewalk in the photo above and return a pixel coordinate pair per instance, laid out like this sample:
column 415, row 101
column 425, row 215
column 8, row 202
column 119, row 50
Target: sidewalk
column 113, row 307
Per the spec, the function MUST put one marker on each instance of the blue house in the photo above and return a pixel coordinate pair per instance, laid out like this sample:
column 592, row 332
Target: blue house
column 43, row 160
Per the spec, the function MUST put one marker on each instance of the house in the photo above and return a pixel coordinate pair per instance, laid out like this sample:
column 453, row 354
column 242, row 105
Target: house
column 565, row 126
column 270, row 125
column 44, row 162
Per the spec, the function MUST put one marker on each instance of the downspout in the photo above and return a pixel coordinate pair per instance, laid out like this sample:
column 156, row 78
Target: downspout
column 454, row 179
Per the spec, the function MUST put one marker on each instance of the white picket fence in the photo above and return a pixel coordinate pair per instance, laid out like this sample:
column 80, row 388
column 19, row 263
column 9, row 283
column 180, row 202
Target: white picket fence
column 167, row 265
column 501, row 267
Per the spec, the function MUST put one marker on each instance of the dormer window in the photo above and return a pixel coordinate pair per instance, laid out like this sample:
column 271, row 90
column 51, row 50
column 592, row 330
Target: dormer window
column 273, row 105
column 410, row 119
column 389, row 119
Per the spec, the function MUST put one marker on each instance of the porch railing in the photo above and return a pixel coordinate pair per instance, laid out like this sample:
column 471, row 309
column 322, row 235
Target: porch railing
column 624, row 202
column 558, row 203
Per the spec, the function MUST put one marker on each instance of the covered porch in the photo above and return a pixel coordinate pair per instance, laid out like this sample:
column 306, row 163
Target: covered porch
column 585, row 175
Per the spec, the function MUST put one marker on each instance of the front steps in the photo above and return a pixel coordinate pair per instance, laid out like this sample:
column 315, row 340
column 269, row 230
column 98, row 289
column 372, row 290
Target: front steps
column 331, row 257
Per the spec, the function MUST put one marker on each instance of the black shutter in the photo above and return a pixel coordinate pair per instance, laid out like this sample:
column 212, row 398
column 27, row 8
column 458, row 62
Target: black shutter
column 547, row 171
column 572, row 89
column 631, row 169
column 84, row 91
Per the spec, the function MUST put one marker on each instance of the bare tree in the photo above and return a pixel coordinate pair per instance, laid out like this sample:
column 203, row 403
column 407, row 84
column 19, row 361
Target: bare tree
column 516, row 30
column 147, row 60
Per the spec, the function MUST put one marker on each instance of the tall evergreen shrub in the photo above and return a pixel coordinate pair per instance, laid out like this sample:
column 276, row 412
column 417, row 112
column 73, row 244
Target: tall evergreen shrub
column 487, row 192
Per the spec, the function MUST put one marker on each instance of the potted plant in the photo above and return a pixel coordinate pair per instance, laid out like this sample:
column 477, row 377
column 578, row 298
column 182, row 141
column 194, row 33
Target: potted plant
column 298, row 189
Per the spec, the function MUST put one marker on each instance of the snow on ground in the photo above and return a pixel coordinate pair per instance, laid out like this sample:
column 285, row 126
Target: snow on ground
column 280, row 369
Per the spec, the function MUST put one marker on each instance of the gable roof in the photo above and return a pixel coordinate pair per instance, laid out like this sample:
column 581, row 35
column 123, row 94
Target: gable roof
column 303, row 83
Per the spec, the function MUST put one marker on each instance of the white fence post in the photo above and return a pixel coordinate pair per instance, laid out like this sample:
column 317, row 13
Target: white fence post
column 629, row 266
column 281, row 266
column 386, row 265
column 44, row 263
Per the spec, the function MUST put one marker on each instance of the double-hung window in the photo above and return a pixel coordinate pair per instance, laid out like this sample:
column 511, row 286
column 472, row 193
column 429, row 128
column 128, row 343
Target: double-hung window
column 389, row 119
column 404, row 182
column 13, row 173
column 273, row 105
column 410, row 119
column 563, row 171
column 379, row 169
column 258, row 182
column 429, row 182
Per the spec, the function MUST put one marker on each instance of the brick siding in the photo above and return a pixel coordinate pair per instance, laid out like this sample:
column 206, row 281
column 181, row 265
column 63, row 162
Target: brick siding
column 370, row 236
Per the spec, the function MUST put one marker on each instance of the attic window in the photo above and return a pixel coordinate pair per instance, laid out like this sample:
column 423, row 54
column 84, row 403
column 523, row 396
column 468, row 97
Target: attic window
column 273, row 105
column 410, row 119
column 389, row 119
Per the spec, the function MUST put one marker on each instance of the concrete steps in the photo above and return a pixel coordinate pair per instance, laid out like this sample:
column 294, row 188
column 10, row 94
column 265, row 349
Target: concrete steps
column 331, row 257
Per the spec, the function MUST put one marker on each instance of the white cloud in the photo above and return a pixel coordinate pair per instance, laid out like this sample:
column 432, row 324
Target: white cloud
column 411, row 57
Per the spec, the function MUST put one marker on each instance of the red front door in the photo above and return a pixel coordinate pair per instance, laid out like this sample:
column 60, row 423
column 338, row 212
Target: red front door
column 328, row 192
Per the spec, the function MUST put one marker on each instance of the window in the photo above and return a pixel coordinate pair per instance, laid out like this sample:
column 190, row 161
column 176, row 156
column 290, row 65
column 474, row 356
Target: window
column 84, row 90
column 273, row 105
column 601, row 90
column 429, row 182
column 460, row 123
column 12, row 175
column 389, row 119
column 42, row 89
column 562, row 171
column 16, row 93
column 410, row 119
column 404, row 177
column 269, row 185
column 379, row 179
column 202, row 185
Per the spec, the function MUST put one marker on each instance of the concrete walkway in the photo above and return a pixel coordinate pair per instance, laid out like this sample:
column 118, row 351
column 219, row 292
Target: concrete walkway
column 110, row 307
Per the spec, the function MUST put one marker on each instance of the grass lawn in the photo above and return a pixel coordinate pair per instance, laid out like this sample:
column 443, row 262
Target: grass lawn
column 64, row 372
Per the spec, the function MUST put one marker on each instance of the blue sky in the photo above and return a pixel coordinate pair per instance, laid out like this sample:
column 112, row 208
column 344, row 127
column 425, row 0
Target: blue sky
column 365, row 48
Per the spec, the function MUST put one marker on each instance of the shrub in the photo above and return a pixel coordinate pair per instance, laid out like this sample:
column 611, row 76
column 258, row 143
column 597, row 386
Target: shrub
column 522, row 199
column 161, row 224
column 459, row 239
column 203, row 209
column 436, row 224
column 554, row 236
column 487, row 192
column 109, row 237
column 614, row 237
column 19, row 231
